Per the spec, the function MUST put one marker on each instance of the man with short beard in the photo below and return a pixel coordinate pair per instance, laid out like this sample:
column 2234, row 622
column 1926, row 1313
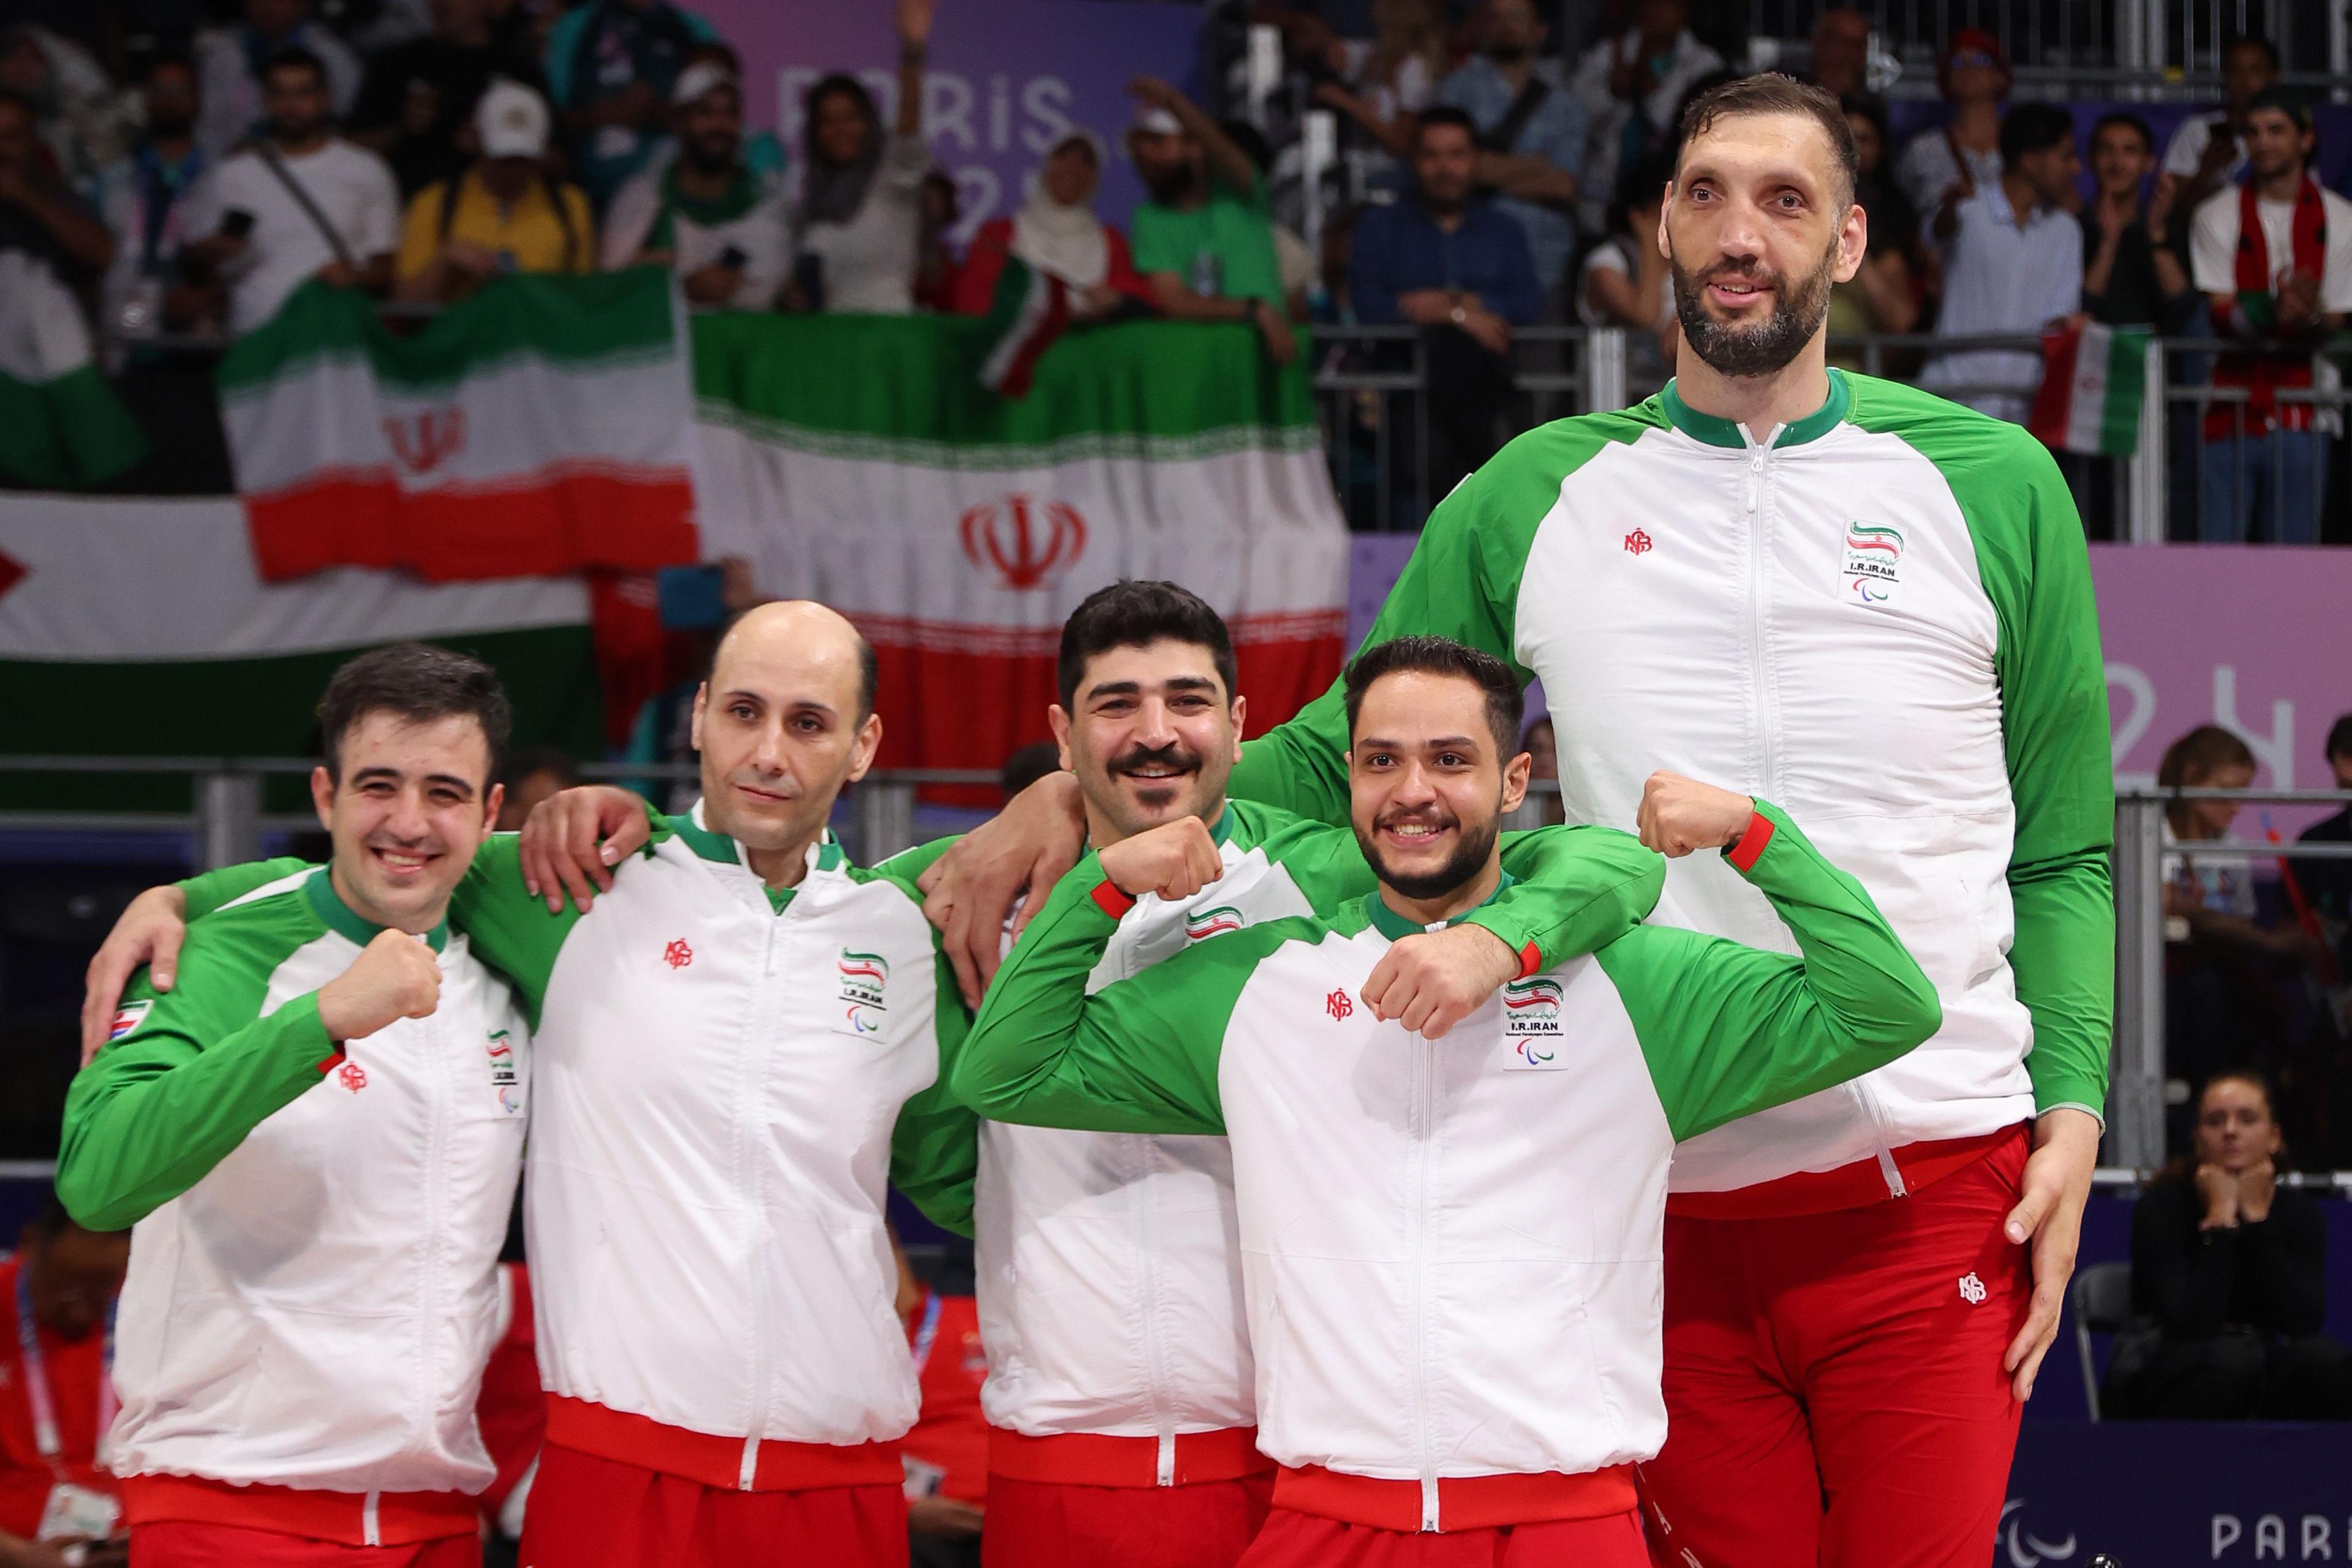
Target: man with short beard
column 724, row 230
column 1204, row 241
column 1449, row 1248
column 1874, row 607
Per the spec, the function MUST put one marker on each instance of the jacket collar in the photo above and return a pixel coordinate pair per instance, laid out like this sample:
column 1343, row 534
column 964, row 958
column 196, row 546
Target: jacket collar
column 1396, row 927
column 1712, row 431
column 339, row 917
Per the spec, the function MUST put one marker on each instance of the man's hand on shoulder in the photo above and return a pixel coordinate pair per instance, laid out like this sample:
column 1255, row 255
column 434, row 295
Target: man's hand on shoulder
column 1432, row 981
column 395, row 976
column 575, row 837
column 970, row 890
column 150, row 932
column 1680, row 814
column 1175, row 861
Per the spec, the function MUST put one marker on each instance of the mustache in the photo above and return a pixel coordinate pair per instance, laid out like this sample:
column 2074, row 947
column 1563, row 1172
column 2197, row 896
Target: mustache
column 1746, row 269
column 1175, row 754
column 428, row 846
column 1417, row 816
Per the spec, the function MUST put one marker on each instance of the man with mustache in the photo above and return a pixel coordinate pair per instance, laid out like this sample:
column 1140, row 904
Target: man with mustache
column 1874, row 607
column 315, row 1136
column 1203, row 242
column 1449, row 1248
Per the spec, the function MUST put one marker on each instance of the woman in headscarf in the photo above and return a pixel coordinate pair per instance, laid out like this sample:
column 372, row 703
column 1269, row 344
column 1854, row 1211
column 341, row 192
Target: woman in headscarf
column 1055, row 232
column 859, row 225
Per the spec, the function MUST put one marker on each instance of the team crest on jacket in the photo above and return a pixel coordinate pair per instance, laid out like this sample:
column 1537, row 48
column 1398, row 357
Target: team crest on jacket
column 862, row 977
column 504, row 1081
column 1202, row 923
column 1873, row 553
column 1531, row 1024
column 129, row 1016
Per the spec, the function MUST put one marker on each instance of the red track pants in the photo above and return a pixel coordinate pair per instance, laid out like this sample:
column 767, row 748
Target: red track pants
column 186, row 1543
column 592, row 1512
column 1296, row 1540
column 1834, row 1393
column 1053, row 1524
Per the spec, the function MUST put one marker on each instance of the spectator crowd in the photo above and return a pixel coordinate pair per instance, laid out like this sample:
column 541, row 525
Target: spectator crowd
column 1498, row 183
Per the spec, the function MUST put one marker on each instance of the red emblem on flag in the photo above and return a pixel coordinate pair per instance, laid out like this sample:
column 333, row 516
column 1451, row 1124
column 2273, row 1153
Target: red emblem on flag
column 1337, row 1004
column 677, row 955
column 422, row 441
column 1637, row 544
column 1025, row 540
column 352, row 1077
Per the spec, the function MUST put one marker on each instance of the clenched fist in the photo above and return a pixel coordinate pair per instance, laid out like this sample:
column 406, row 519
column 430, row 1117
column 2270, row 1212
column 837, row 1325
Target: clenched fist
column 1432, row 981
column 395, row 976
column 1175, row 861
column 1680, row 814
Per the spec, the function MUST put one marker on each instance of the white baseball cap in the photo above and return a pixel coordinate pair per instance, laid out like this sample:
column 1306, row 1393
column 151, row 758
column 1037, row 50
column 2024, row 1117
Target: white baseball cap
column 1154, row 121
column 697, row 79
column 511, row 120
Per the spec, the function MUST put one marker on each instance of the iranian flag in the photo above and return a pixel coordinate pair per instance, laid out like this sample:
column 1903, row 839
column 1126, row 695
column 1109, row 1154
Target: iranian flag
column 2093, row 378
column 542, row 426
column 61, row 425
column 860, row 461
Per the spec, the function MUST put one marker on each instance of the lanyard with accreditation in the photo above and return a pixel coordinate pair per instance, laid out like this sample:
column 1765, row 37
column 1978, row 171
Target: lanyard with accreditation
column 72, row 1511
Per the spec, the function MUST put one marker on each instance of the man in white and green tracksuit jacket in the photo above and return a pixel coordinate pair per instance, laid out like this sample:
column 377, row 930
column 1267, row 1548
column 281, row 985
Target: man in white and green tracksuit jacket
column 739, row 1044
column 315, row 1136
column 1450, row 1247
column 1874, row 607
column 1120, row 1392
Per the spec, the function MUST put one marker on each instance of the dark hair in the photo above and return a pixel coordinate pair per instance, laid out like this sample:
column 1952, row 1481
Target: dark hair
column 1506, row 704
column 2286, row 101
column 1643, row 184
column 2203, row 751
column 1771, row 92
column 294, row 56
column 839, row 84
column 2339, row 737
column 520, row 765
column 2251, row 41
column 165, row 59
column 1251, row 141
column 1445, row 114
column 1133, row 615
column 2130, row 122
column 420, row 683
column 2033, row 128
column 1024, row 767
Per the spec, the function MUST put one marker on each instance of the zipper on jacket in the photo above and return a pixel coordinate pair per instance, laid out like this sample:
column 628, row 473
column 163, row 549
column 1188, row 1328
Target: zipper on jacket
column 747, row 1165
column 1155, row 1352
column 440, row 1060
column 1418, row 1124
column 1757, row 457
column 1887, row 1168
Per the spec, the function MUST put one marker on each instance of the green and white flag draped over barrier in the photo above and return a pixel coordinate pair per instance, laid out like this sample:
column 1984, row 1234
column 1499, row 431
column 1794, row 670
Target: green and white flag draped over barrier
column 61, row 425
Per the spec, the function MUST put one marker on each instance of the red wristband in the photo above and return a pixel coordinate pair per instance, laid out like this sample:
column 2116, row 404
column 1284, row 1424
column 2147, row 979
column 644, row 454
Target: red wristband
column 1744, row 854
column 1110, row 901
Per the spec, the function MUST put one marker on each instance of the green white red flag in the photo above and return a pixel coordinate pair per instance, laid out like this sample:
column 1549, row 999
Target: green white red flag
column 2093, row 380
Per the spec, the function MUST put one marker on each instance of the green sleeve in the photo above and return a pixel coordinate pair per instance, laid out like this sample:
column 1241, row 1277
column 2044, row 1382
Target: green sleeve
column 2036, row 570
column 909, row 864
column 1728, row 1029
column 164, row 1104
column 1138, row 1056
column 508, row 927
column 1463, row 583
column 935, row 1148
column 208, row 890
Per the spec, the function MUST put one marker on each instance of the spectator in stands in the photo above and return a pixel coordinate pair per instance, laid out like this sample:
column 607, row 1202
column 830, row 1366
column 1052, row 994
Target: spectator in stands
column 508, row 212
column 2274, row 260
column 1383, row 83
column 143, row 199
column 2230, row 1281
column 1542, row 743
column 762, row 154
column 1839, row 58
column 945, row 1452
column 419, row 96
column 1884, row 294
column 1203, row 240
column 38, row 215
column 721, row 228
column 612, row 66
column 1632, row 88
column 66, row 1279
column 1294, row 258
column 1627, row 281
column 81, row 117
column 2209, row 151
column 230, row 62
column 1964, row 151
column 532, row 774
column 860, row 218
column 2012, row 262
column 2328, row 884
column 297, row 203
column 1445, row 261
column 1055, row 231
column 1531, row 136
column 2133, row 276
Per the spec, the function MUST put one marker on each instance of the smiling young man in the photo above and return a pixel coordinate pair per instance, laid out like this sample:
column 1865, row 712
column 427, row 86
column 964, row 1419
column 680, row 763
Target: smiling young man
column 316, row 1133
column 742, row 1040
column 1874, row 607
column 1449, row 1248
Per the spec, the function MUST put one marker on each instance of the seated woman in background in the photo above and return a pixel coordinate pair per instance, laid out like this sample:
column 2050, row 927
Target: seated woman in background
column 2229, row 1281
column 1626, row 283
column 1885, row 293
column 1056, row 232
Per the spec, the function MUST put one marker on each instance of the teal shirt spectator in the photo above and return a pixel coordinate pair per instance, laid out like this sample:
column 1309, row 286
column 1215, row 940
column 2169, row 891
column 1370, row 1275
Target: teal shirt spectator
column 594, row 51
column 1555, row 133
column 1223, row 248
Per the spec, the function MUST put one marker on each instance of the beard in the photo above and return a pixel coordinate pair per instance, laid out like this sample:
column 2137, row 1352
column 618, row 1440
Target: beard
column 1507, row 51
column 1470, row 852
column 1765, row 348
column 1170, row 184
column 1158, row 794
column 712, row 154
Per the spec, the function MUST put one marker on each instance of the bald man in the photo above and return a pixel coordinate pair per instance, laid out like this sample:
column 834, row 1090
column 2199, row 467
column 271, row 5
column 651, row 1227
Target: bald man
column 735, row 1047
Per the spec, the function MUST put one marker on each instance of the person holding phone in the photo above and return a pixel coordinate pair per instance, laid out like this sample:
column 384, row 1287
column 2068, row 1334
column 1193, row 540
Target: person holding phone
column 706, row 216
